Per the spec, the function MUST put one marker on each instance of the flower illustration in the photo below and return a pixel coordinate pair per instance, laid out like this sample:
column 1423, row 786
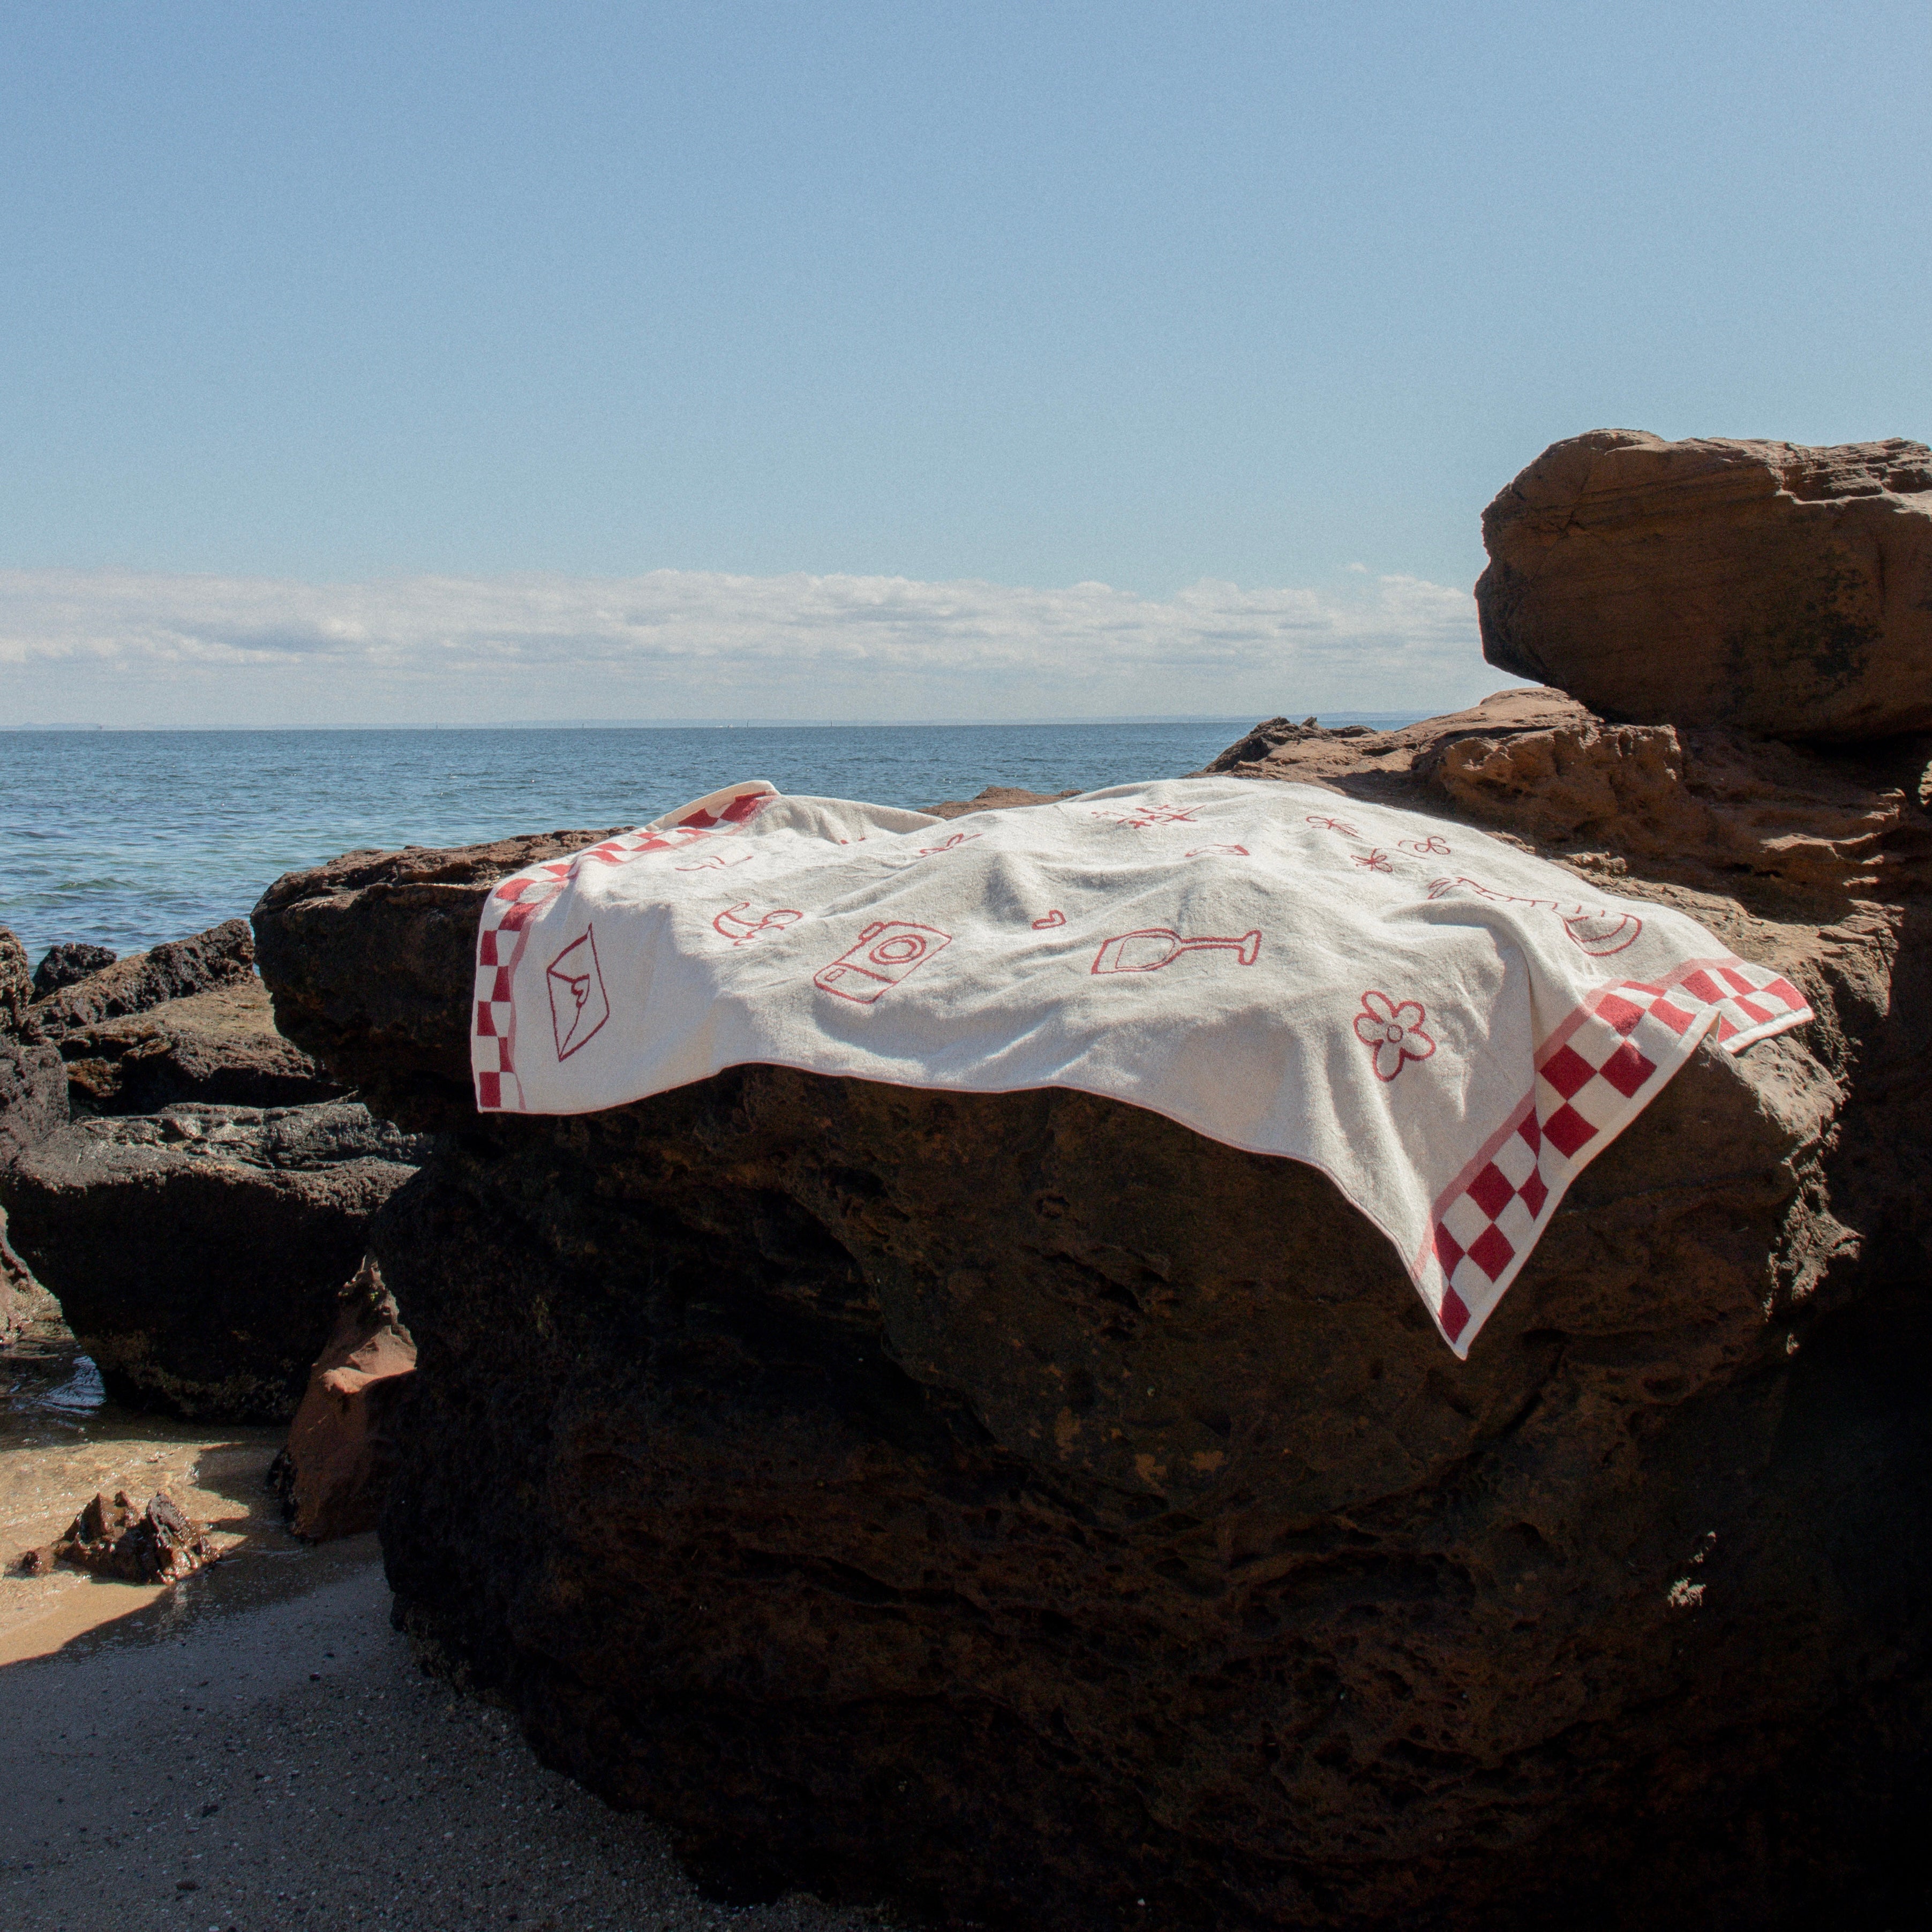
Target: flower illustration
column 1332, row 825
column 1376, row 861
column 1433, row 844
column 1392, row 1031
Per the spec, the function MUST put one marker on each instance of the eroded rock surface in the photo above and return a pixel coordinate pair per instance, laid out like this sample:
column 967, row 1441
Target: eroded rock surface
column 1709, row 807
column 1020, row 1506
column 1768, row 586
column 221, row 956
column 218, row 1045
column 198, row 1254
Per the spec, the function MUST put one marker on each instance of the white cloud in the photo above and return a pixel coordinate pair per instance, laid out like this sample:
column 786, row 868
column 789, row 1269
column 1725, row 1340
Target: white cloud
column 121, row 648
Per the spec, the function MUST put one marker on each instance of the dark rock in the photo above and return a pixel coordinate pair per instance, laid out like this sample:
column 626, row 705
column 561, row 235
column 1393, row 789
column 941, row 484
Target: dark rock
column 156, row 1545
column 63, row 965
column 198, row 1255
column 1019, row 1505
column 221, row 956
column 1764, row 585
column 19, row 1293
column 33, row 1097
column 335, row 1471
column 996, row 798
column 220, row 1045
column 17, row 985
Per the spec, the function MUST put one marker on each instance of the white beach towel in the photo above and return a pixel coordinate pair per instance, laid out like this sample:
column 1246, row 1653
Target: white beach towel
column 1449, row 1029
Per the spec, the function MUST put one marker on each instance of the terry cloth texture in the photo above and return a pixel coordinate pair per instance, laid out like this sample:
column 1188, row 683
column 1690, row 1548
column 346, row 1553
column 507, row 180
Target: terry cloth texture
column 1436, row 1020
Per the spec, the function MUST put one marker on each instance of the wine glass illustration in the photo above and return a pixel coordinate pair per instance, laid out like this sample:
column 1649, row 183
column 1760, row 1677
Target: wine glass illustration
column 1154, row 946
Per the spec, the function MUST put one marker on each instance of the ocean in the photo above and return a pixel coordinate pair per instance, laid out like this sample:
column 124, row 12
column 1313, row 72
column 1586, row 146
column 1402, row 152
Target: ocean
column 129, row 838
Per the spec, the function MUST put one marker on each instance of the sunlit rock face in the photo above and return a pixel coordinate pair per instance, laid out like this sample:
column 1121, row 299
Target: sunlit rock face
column 1778, row 588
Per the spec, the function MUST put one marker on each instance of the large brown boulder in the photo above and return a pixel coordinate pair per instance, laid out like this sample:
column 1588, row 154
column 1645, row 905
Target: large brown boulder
column 198, row 1255
column 1783, row 590
column 1023, row 1506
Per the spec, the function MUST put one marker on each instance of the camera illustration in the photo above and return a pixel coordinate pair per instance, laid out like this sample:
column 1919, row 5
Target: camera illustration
column 882, row 954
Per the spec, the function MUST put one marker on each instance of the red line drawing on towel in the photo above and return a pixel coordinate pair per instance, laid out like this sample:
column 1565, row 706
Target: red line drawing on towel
column 1154, row 946
column 1142, row 816
column 1052, row 918
column 1215, row 851
column 717, row 861
column 733, row 924
column 1377, row 861
column 578, row 1004
column 952, row 844
column 1392, row 1030
column 1599, row 932
column 1434, row 846
column 1347, row 830
column 882, row 955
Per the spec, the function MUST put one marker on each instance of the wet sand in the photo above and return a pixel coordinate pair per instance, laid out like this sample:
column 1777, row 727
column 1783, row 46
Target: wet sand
column 255, row 1749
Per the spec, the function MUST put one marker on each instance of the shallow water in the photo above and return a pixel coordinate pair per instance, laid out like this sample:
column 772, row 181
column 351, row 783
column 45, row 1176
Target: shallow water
column 61, row 1441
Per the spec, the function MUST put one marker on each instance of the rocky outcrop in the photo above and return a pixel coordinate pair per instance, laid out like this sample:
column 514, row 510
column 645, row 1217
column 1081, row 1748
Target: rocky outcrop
column 219, row 1045
column 1020, row 1506
column 1776, row 589
column 223, row 955
column 1710, row 807
column 198, row 1255
column 334, row 1474
column 73, row 959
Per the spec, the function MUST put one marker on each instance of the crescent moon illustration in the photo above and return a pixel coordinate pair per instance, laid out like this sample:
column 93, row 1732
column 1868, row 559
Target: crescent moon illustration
column 1601, row 933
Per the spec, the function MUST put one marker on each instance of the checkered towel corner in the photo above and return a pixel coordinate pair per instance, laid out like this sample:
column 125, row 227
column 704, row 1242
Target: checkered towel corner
column 1594, row 1074
column 502, row 932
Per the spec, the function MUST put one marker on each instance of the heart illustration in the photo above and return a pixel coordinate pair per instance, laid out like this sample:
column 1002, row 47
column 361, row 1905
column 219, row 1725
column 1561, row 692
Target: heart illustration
column 1047, row 924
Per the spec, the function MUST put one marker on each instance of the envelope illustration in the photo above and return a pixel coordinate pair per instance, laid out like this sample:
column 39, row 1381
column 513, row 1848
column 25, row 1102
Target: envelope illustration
column 578, row 1004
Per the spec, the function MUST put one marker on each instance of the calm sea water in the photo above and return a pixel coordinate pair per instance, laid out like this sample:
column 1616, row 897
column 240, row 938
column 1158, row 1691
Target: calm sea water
column 127, row 838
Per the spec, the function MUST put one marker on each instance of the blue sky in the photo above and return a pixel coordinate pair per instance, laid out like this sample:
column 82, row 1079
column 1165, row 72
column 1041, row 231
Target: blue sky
column 309, row 309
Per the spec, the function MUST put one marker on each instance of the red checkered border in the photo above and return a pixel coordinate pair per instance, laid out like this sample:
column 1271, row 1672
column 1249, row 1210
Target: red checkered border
column 504, row 930
column 1595, row 1074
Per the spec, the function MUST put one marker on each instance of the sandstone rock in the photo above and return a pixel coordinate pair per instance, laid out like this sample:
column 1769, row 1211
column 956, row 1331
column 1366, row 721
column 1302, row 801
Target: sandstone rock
column 1706, row 807
column 198, row 1255
column 1020, row 1506
column 155, row 1545
column 1776, row 589
column 219, row 1045
column 335, row 1471
column 73, row 959
column 221, row 956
